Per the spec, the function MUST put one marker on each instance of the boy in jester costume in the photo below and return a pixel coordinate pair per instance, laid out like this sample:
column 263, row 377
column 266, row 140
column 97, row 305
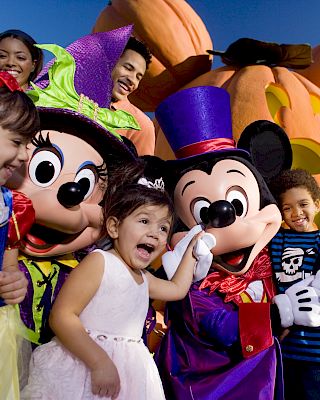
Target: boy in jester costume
column 69, row 161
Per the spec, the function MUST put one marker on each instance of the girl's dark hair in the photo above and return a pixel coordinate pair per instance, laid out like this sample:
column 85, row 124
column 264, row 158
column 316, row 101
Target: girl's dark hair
column 294, row 178
column 124, row 194
column 140, row 48
column 29, row 42
column 18, row 113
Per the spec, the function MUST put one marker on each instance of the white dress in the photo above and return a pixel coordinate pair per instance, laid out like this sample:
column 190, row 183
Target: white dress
column 114, row 319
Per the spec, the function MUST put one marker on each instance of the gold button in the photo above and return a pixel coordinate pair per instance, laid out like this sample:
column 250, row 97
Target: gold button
column 39, row 307
column 40, row 283
column 249, row 348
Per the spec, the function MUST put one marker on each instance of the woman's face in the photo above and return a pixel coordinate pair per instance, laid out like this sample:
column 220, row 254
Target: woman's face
column 16, row 59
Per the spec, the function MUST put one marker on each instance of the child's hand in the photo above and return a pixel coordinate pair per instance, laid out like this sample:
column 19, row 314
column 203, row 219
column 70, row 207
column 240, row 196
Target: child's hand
column 13, row 286
column 201, row 244
column 172, row 259
column 105, row 381
column 284, row 333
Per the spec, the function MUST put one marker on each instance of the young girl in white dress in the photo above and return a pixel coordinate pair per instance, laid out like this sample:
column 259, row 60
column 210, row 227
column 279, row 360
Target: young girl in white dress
column 99, row 315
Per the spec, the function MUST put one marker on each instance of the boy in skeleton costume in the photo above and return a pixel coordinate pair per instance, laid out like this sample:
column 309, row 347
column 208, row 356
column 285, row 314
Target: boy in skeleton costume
column 295, row 257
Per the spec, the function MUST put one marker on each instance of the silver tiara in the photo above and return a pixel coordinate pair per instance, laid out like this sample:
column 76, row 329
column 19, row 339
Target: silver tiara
column 158, row 184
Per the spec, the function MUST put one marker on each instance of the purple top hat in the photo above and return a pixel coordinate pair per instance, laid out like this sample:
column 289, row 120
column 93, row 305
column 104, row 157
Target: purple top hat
column 197, row 122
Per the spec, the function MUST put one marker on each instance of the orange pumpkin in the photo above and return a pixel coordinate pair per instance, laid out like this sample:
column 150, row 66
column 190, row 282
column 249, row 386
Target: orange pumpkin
column 176, row 36
column 276, row 94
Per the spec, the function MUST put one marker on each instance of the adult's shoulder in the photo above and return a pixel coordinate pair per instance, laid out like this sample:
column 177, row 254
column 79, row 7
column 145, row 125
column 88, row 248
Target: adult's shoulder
column 126, row 105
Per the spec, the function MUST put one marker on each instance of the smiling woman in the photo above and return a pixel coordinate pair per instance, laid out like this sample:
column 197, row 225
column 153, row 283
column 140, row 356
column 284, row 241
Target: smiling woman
column 19, row 56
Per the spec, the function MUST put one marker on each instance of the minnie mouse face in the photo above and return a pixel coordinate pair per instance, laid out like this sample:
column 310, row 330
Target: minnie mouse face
column 65, row 180
column 229, row 199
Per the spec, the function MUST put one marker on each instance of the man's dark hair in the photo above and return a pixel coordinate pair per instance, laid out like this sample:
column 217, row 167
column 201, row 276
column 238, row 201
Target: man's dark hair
column 139, row 47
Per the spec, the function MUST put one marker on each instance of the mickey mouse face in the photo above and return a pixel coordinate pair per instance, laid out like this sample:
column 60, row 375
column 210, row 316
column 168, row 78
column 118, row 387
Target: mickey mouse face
column 231, row 183
column 227, row 202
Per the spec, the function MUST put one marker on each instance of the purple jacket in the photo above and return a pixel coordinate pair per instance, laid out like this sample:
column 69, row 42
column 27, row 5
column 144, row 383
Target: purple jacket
column 200, row 357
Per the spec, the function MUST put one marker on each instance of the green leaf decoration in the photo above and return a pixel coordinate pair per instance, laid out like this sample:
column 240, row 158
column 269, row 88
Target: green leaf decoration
column 61, row 93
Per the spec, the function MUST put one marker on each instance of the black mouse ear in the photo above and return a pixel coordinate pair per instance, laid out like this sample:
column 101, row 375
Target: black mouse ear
column 269, row 147
column 155, row 167
column 156, row 171
column 130, row 145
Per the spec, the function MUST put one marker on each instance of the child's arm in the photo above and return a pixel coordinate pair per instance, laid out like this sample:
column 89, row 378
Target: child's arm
column 73, row 297
column 179, row 285
column 13, row 283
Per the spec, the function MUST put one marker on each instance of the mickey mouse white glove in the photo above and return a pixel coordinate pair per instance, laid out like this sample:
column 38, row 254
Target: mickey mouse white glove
column 201, row 251
column 300, row 303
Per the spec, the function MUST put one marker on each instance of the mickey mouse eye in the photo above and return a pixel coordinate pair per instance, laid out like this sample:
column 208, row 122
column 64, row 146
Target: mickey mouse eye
column 239, row 201
column 87, row 180
column 200, row 209
column 45, row 167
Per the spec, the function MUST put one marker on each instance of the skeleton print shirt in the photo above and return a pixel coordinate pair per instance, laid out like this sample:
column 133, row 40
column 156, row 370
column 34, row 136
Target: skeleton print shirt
column 295, row 256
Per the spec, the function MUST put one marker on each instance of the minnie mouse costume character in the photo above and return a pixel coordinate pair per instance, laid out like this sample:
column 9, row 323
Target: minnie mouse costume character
column 69, row 160
column 219, row 343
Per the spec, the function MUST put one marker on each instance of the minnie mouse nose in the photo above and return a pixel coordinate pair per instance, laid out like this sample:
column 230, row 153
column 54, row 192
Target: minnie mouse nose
column 70, row 194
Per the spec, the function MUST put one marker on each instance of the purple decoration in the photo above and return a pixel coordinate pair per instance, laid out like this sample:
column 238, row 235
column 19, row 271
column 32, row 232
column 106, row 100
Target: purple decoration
column 75, row 123
column 200, row 358
column 95, row 56
column 196, row 115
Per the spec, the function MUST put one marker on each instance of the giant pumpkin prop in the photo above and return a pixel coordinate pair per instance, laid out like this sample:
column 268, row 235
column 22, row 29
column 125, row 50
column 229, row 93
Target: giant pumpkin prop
column 176, row 36
column 269, row 92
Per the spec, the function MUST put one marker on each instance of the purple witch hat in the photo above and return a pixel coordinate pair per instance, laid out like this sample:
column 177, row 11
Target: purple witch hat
column 197, row 123
column 95, row 56
column 77, row 87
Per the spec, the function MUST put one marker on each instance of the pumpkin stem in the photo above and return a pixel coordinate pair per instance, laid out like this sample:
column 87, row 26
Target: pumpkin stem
column 246, row 51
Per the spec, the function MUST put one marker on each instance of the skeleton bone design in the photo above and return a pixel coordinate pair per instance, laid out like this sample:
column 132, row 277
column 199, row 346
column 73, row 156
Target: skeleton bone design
column 292, row 260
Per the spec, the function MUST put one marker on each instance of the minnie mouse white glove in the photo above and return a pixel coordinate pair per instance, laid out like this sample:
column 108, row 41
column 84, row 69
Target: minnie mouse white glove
column 300, row 303
column 201, row 251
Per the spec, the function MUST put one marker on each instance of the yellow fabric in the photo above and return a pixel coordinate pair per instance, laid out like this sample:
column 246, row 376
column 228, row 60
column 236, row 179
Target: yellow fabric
column 9, row 329
column 247, row 299
column 46, row 266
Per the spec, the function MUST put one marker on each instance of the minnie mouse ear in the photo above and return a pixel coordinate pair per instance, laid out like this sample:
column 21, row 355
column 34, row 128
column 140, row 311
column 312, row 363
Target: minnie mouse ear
column 269, row 147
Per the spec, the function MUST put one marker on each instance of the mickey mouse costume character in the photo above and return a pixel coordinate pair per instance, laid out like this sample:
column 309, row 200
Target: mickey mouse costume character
column 219, row 343
column 69, row 161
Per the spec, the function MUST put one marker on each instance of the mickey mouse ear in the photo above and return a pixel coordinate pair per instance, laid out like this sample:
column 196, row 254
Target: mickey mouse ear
column 269, row 147
column 156, row 171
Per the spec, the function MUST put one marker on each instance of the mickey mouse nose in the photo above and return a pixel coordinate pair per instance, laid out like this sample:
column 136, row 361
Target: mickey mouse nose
column 221, row 213
column 70, row 194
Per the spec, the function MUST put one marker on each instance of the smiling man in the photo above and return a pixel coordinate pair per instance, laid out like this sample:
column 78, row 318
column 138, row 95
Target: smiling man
column 127, row 75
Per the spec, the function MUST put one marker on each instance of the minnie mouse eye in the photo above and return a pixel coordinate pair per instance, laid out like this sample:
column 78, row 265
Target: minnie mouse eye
column 87, row 179
column 200, row 211
column 45, row 167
